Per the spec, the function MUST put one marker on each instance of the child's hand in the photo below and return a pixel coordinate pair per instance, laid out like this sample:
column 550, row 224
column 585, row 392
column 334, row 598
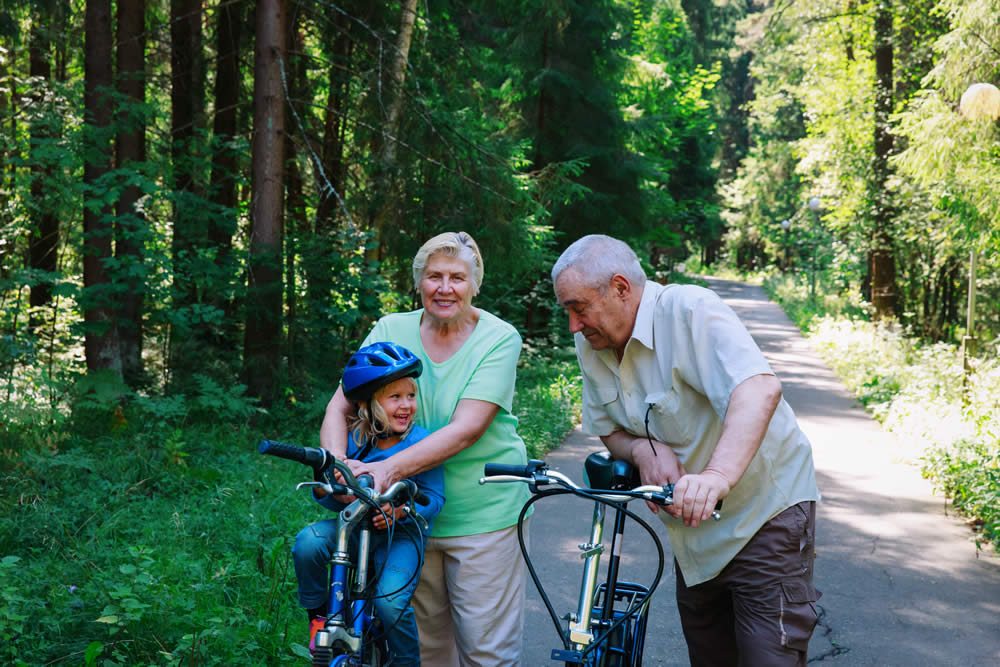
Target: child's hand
column 346, row 498
column 388, row 512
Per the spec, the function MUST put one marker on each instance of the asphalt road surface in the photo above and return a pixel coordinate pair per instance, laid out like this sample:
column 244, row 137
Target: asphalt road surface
column 902, row 582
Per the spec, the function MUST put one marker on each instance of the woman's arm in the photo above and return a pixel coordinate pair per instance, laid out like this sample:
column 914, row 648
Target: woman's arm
column 468, row 424
column 333, row 432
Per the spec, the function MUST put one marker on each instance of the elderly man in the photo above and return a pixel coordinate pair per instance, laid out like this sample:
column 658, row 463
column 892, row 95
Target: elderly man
column 674, row 383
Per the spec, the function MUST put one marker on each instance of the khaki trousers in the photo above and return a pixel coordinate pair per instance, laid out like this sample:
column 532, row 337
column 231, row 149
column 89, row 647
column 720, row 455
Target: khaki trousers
column 470, row 600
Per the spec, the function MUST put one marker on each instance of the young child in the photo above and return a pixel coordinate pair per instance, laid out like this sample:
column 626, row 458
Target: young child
column 379, row 379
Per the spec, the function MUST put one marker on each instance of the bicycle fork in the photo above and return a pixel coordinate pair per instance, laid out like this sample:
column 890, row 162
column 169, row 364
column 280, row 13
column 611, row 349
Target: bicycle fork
column 346, row 613
column 582, row 624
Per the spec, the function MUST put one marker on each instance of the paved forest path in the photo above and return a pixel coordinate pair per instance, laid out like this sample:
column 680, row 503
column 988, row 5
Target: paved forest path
column 902, row 582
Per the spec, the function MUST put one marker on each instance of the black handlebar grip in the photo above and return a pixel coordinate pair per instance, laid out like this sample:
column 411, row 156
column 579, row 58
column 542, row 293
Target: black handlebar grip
column 493, row 469
column 317, row 458
column 419, row 497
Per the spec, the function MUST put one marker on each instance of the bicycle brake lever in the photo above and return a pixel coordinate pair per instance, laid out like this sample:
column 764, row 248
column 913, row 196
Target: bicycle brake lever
column 316, row 485
column 416, row 516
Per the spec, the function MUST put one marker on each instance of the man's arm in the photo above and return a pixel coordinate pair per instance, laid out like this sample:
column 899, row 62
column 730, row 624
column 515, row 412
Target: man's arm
column 751, row 406
column 660, row 468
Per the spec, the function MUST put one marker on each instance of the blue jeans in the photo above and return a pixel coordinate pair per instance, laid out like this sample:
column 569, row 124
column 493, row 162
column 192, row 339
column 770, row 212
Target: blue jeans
column 399, row 564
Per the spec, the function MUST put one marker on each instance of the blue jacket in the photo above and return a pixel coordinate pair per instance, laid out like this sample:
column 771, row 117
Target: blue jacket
column 431, row 482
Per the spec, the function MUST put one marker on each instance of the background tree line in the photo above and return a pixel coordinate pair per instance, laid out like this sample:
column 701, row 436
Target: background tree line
column 856, row 103
column 205, row 203
column 233, row 190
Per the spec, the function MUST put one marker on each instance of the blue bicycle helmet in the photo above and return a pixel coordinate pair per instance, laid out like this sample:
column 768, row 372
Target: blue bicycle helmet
column 374, row 366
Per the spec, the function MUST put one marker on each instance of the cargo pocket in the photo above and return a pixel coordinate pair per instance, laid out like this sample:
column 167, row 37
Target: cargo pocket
column 798, row 614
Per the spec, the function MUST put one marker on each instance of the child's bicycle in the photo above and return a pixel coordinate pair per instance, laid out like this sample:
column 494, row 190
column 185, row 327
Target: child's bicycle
column 353, row 636
column 608, row 626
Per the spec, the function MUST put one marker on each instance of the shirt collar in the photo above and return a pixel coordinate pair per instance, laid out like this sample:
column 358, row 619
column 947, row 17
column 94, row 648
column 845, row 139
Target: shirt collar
column 642, row 331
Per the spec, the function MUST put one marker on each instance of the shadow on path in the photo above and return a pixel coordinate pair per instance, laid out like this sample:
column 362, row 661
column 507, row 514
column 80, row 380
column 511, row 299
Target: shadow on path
column 901, row 578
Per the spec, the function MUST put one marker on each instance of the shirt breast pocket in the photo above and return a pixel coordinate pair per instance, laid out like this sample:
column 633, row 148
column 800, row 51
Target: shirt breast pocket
column 607, row 393
column 667, row 417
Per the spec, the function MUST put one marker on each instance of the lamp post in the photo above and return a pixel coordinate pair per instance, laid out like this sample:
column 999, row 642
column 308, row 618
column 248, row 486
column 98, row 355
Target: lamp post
column 814, row 205
column 980, row 101
column 787, row 226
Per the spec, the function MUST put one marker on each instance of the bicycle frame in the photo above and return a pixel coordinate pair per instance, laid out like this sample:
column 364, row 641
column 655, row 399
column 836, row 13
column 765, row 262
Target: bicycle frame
column 608, row 626
column 350, row 617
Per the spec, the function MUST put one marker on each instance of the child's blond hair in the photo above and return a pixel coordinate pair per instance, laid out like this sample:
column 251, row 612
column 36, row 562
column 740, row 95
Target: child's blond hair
column 371, row 422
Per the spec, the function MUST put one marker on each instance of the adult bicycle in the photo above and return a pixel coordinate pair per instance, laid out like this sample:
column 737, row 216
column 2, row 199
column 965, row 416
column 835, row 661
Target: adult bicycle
column 607, row 628
column 353, row 635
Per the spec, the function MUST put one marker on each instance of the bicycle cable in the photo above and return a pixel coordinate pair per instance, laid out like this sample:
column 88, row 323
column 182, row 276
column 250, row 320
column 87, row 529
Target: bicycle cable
column 589, row 494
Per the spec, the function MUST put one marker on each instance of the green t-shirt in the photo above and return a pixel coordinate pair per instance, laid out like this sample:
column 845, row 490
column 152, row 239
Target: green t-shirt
column 484, row 368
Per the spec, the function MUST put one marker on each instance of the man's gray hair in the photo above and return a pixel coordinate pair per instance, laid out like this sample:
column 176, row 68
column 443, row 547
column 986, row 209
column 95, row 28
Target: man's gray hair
column 597, row 258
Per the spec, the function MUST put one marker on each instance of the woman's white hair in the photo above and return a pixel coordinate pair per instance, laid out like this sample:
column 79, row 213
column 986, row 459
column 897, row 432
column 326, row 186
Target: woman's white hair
column 370, row 420
column 451, row 244
column 597, row 258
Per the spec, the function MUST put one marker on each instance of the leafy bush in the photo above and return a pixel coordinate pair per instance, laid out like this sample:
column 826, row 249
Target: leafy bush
column 547, row 400
column 969, row 473
column 160, row 536
column 916, row 390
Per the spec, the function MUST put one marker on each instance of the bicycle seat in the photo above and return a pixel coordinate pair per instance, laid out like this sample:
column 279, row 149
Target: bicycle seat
column 600, row 471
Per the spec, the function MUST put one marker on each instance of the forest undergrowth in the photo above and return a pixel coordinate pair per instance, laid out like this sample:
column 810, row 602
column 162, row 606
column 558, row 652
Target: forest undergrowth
column 148, row 531
column 948, row 422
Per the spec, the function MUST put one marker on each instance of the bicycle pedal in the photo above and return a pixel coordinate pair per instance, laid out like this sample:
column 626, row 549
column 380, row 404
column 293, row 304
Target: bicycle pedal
column 563, row 655
column 590, row 549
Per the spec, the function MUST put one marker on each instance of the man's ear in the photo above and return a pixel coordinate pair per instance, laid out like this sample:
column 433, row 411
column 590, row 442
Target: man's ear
column 620, row 286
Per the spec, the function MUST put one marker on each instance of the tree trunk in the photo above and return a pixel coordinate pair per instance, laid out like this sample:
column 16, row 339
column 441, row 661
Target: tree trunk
column 263, row 326
column 332, row 180
column 188, row 337
column 227, row 99
column 100, row 339
column 8, row 109
column 317, row 255
column 43, row 242
column 883, row 265
column 385, row 182
column 185, row 43
column 295, row 206
column 130, row 152
column 230, row 22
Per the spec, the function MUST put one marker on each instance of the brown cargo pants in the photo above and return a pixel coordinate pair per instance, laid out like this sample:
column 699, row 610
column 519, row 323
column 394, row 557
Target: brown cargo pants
column 761, row 609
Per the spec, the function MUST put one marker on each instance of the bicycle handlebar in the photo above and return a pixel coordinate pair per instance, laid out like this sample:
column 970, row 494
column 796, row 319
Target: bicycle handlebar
column 321, row 460
column 537, row 473
column 318, row 459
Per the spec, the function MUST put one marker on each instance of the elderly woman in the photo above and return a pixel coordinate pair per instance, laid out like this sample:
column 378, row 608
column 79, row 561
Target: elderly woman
column 470, row 600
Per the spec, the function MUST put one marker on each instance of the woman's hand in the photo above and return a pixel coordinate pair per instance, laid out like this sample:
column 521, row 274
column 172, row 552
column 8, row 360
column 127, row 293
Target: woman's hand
column 383, row 473
column 388, row 516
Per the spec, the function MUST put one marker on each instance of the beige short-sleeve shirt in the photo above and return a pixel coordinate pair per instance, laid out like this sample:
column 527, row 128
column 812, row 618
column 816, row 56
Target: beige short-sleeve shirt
column 687, row 353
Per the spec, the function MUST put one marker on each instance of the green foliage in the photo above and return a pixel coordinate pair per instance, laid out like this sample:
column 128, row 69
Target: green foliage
column 802, row 304
column 547, row 401
column 947, row 423
column 162, row 538
column 969, row 474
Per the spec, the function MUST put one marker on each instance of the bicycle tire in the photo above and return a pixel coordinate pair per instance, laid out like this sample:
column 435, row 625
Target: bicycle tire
column 322, row 656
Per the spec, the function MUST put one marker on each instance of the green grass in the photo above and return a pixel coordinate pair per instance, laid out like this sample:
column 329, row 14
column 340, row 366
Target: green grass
column 547, row 401
column 156, row 535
